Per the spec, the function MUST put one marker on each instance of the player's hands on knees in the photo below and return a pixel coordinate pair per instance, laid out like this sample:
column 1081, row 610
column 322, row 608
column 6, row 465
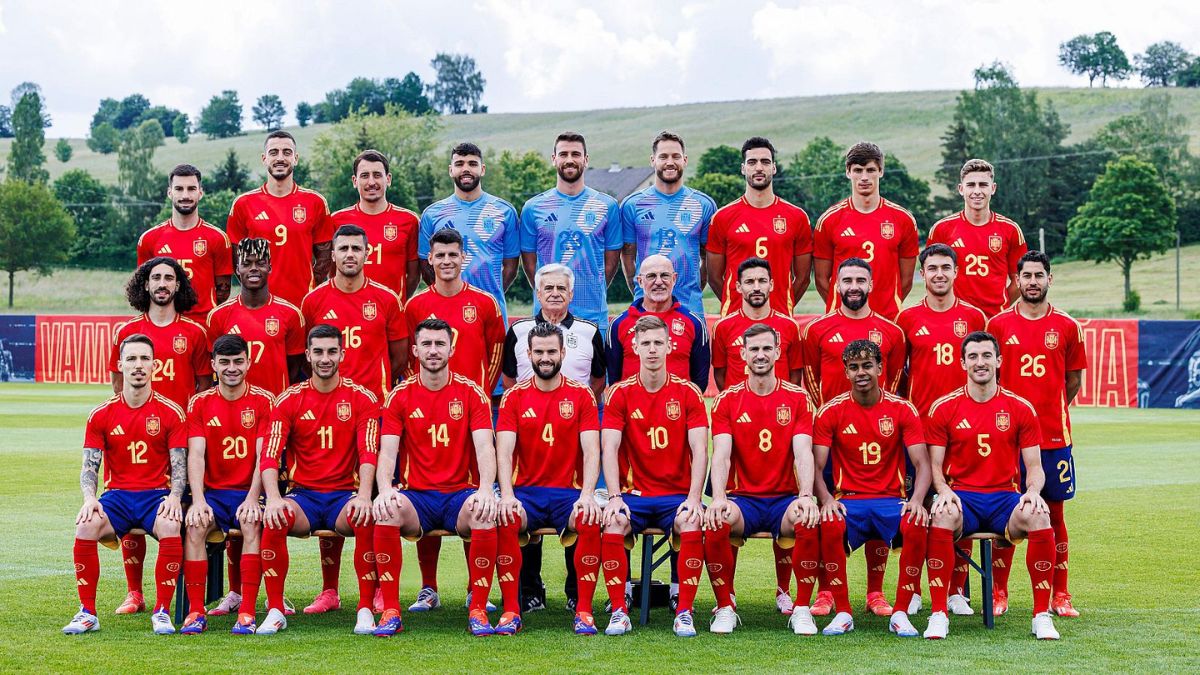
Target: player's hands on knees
column 833, row 510
column 586, row 511
column 200, row 514
column 483, row 505
column 387, row 504
column 91, row 510
column 249, row 512
column 1033, row 504
column 360, row 511
column 717, row 513
column 945, row 502
column 171, row 509
column 509, row 510
column 692, row 511
column 275, row 513
column 915, row 512
column 806, row 512
column 614, row 509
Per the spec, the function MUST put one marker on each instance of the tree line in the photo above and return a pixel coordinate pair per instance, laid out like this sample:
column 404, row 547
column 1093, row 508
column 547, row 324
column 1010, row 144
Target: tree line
column 1098, row 55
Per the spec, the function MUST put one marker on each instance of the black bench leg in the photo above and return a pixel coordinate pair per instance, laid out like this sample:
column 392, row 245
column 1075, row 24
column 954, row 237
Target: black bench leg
column 647, row 576
column 985, row 559
column 216, row 572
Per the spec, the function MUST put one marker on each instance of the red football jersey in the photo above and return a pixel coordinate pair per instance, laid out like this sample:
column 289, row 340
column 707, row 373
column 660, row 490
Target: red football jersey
column 293, row 224
column 136, row 442
column 478, row 331
column 762, row 427
column 934, row 338
column 392, row 242
column 230, row 430
column 655, row 458
column 689, row 342
column 435, row 427
column 326, row 437
column 548, row 427
column 867, row 446
column 203, row 251
column 987, row 257
column 881, row 237
column 272, row 333
column 368, row 319
column 825, row 338
column 181, row 354
column 778, row 233
column 983, row 441
column 727, row 345
column 1037, row 355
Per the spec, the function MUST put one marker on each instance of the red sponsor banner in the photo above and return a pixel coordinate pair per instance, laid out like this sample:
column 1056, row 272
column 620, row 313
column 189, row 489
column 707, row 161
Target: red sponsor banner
column 1110, row 380
column 74, row 349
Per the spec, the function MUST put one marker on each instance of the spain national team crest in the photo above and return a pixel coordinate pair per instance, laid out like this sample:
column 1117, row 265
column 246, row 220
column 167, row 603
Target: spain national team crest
column 887, row 230
column 678, row 326
column 248, row 418
column 887, row 426
column 780, row 224
column 572, row 341
column 1051, row 339
column 470, row 314
column 960, row 328
column 199, row 248
column 271, row 326
column 566, row 409
column 370, row 311
column 343, row 411
column 153, row 425
column 783, row 414
column 390, row 232
column 179, row 344
column 875, row 336
column 456, row 409
column 995, row 243
column 1002, row 421
column 674, row 410
column 299, row 214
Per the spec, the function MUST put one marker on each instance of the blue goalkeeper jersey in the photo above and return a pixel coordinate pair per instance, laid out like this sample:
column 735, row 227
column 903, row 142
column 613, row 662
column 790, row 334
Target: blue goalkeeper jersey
column 490, row 235
column 675, row 226
column 576, row 232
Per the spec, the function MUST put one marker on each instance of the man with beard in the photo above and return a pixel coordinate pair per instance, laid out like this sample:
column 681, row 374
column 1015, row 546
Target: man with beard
column 755, row 288
column 576, row 226
column 548, row 444
column 295, row 220
column 1044, row 350
column 668, row 219
column 760, row 225
column 392, row 254
column 202, row 250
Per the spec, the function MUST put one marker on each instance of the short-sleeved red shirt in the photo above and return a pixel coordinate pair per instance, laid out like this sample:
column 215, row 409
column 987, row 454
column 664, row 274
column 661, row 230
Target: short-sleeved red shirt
column 136, row 442
column 983, row 441
column 230, row 430
column 292, row 224
column 868, row 445
column 272, row 332
column 437, row 451
column 762, row 429
column 778, row 233
column 548, row 425
column 326, row 436
column 987, row 257
column 727, row 345
column 825, row 338
column 881, row 237
column 181, row 354
column 203, row 251
column 478, row 326
column 368, row 320
column 655, row 457
column 392, row 238
column 934, row 339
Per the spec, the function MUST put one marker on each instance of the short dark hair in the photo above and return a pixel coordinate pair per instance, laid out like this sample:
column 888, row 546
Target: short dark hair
column 254, row 246
column 759, row 329
column 855, row 262
column 446, row 235
column 433, row 325
column 753, row 263
column 183, row 170
column 755, row 142
column 544, row 329
column 1034, row 256
column 351, row 230
column 466, row 149
column 136, row 339
column 570, row 137
column 139, row 297
column 863, row 153
column 279, row 133
column 666, row 136
column 323, row 330
column 938, row 249
column 372, row 156
column 978, row 336
column 230, row 345
column 859, row 349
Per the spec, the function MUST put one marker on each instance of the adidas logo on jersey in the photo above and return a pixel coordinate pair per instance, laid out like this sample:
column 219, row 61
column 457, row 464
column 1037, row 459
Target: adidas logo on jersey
column 262, row 215
column 552, row 218
column 330, row 316
column 958, row 243
column 417, row 414
column 529, row 414
column 118, row 431
column 235, row 330
column 742, row 229
column 166, row 249
column 1012, row 341
column 744, row 418
column 964, row 424
column 922, row 331
column 848, row 232
column 849, row 429
column 637, row 414
column 837, row 337
column 308, row 415
column 214, row 422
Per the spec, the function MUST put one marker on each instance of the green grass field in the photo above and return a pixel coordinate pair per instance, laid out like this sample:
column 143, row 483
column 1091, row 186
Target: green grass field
column 1133, row 532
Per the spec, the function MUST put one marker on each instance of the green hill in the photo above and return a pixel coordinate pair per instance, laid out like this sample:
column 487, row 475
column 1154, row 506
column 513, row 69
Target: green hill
column 909, row 124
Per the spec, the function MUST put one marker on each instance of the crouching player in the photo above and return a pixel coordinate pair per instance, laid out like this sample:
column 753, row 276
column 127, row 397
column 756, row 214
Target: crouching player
column 548, row 444
column 762, row 477
column 865, row 433
column 447, row 467
column 329, row 428
column 978, row 436
column 140, row 436
column 225, row 426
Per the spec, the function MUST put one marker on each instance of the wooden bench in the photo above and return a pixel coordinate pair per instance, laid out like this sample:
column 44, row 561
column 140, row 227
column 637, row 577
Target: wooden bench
column 984, row 567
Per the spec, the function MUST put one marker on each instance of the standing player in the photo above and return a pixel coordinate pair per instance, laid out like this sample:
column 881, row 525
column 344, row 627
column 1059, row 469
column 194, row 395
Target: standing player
column 447, row 467
column 755, row 287
column 295, row 220
column 655, row 445
column 202, row 250
column 548, row 445
column 867, row 226
column 762, row 477
column 668, row 219
column 988, row 243
column 226, row 426
column 141, row 438
column 392, row 255
column 865, row 434
column 760, row 225
column 978, row 437
column 329, row 428
column 576, row 226
column 1044, row 349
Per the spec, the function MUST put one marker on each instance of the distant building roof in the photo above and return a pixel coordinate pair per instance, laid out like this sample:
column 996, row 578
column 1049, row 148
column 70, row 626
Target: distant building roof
column 617, row 181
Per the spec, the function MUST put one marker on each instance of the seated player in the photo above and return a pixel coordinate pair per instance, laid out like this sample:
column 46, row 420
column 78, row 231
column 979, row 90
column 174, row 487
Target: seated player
column 978, row 437
column 329, row 428
column 865, row 433
column 141, row 438
column 548, row 443
column 656, row 428
column 226, row 426
column 448, row 465
column 762, row 477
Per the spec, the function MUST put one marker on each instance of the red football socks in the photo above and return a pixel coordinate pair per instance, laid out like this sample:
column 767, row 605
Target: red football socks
column 691, row 563
column 961, row 567
column 876, row 553
column 195, row 579
column 364, row 564
column 804, row 563
column 275, row 560
column 1002, row 561
column 87, row 573
column 718, row 557
column 508, row 565
column 166, row 570
column 941, row 567
column 389, row 562
column 251, row 575
column 783, row 568
column 482, row 565
column 133, row 551
column 233, row 551
column 1039, row 559
column 616, row 568
column 428, row 550
column 1061, row 546
column 833, row 554
column 912, row 559
column 330, row 549
column 587, row 565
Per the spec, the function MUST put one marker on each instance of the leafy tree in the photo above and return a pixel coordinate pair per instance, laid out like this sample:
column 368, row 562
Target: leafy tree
column 722, row 187
column 25, row 157
column 136, row 174
column 129, row 111
column 304, row 113
column 229, row 175
column 1189, row 76
column 269, row 112
column 19, row 91
column 459, row 84
column 6, row 130
column 1161, row 63
column 907, row 190
column 408, row 93
column 166, row 118
column 215, row 206
column 181, row 127
column 88, row 203
column 222, row 117
column 106, row 113
column 517, row 177
column 35, row 230
column 104, row 139
column 722, row 159
column 1095, row 56
column 1128, row 216
column 1072, row 173
column 62, row 150
column 815, row 178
